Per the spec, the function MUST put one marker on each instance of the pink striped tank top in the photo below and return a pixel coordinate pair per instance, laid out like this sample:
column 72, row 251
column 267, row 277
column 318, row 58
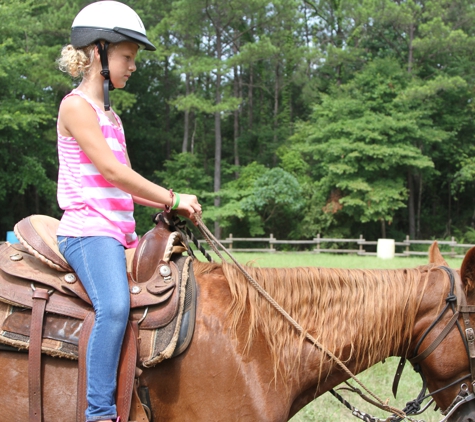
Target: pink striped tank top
column 92, row 206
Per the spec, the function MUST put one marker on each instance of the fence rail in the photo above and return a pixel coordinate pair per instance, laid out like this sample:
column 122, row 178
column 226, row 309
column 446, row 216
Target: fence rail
column 334, row 245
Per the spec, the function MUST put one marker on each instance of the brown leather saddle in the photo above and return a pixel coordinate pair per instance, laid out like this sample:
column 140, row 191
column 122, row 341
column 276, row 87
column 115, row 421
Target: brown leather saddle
column 45, row 309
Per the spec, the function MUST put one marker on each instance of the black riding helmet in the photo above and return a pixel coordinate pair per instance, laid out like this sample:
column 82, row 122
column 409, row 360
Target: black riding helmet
column 111, row 22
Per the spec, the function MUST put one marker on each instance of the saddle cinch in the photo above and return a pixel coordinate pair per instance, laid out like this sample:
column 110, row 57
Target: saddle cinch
column 45, row 309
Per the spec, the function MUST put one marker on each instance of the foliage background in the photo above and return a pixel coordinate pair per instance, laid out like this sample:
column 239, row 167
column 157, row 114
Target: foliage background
column 291, row 117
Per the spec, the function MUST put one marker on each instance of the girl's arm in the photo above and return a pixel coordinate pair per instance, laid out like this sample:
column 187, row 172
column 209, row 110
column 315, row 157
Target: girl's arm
column 142, row 201
column 79, row 120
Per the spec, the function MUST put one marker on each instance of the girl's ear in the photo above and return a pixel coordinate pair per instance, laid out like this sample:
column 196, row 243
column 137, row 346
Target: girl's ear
column 97, row 56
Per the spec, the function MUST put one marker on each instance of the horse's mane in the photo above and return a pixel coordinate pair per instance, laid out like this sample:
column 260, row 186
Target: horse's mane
column 373, row 309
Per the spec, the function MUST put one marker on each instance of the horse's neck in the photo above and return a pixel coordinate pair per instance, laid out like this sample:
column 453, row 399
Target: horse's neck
column 359, row 316
column 352, row 314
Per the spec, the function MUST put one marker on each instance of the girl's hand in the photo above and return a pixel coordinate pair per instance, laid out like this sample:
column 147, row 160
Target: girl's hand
column 189, row 207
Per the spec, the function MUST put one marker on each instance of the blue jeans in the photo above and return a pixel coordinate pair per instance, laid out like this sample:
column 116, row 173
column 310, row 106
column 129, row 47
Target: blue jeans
column 99, row 262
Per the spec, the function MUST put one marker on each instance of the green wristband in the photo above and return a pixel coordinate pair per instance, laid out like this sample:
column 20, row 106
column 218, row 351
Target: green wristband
column 177, row 201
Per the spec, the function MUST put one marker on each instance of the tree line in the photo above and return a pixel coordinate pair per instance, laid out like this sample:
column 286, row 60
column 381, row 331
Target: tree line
column 291, row 117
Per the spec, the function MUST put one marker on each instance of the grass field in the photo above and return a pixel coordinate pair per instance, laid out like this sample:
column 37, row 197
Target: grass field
column 378, row 378
column 302, row 259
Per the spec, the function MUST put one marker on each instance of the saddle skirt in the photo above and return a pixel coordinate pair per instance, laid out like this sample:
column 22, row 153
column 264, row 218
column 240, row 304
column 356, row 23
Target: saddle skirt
column 161, row 283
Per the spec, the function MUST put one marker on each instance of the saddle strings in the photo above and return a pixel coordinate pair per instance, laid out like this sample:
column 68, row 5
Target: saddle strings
column 212, row 241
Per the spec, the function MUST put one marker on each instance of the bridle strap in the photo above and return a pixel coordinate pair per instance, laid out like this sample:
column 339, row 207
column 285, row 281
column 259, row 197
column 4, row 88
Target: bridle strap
column 397, row 376
column 462, row 309
column 466, row 310
column 470, row 339
column 421, row 356
column 450, row 300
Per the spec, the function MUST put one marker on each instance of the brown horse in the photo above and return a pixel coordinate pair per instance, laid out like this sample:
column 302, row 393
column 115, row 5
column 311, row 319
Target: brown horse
column 247, row 363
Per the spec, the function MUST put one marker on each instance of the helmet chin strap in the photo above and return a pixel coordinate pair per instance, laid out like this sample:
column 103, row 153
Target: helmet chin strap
column 108, row 86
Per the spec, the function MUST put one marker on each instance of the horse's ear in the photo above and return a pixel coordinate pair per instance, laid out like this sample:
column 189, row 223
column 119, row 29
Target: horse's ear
column 435, row 257
column 467, row 272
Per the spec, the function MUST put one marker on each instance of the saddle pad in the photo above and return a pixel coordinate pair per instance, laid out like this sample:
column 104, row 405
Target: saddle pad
column 61, row 333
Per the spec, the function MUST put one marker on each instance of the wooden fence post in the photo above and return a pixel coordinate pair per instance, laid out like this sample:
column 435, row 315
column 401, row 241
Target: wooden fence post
column 361, row 244
column 408, row 245
column 230, row 237
column 318, row 243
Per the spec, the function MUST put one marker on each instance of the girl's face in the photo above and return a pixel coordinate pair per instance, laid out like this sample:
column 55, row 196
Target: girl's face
column 122, row 63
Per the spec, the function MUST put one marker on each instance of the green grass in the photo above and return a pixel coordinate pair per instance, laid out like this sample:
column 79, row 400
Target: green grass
column 304, row 259
column 377, row 378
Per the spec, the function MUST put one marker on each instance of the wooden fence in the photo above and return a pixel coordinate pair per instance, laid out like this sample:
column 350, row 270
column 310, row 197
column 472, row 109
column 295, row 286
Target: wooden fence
column 334, row 245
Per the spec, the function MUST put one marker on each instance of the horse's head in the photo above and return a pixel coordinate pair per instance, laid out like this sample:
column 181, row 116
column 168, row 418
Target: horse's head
column 444, row 337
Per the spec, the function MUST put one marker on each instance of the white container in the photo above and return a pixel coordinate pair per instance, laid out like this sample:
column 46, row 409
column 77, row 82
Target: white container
column 386, row 248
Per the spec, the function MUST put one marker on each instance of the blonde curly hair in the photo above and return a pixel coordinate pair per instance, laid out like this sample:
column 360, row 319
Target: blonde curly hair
column 76, row 62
